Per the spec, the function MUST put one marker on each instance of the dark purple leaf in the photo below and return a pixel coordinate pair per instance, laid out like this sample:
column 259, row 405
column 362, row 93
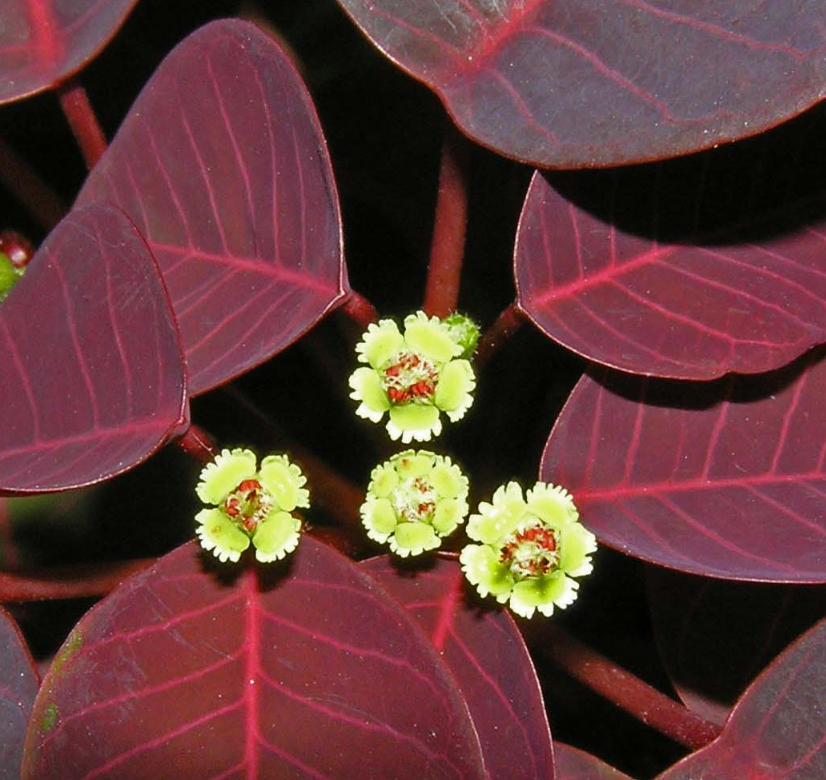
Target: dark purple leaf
column 222, row 165
column 573, row 764
column 43, row 42
column 307, row 671
column 93, row 377
column 716, row 636
column 574, row 83
column 485, row 652
column 662, row 297
column 18, row 687
column 777, row 731
column 722, row 480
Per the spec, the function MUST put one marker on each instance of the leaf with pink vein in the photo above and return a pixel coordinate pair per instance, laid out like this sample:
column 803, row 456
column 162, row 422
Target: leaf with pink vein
column 723, row 479
column 18, row 687
column 777, row 731
column 43, row 42
column 486, row 653
column 223, row 167
column 580, row 83
column 301, row 670
column 93, row 379
column 666, row 297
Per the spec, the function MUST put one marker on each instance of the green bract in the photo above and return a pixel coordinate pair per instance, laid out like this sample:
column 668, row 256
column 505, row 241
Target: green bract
column 250, row 503
column 414, row 500
column 413, row 376
column 531, row 548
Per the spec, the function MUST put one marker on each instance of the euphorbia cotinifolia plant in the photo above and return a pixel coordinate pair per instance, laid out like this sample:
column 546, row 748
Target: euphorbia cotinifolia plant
column 410, row 381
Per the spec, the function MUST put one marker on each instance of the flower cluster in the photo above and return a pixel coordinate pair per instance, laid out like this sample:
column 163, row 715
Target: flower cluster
column 530, row 548
column 414, row 500
column 415, row 376
column 250, row 503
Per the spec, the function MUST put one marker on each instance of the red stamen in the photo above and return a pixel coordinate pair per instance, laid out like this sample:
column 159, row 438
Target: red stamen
column 249, row 485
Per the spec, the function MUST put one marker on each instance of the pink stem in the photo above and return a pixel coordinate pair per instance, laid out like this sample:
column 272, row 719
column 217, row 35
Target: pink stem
column 198, row 445
column 360, row 310
column 68, row 582
column 32, row 191
column 506, row 324
column 82, row 120
column 449, row 228
column 628, row 692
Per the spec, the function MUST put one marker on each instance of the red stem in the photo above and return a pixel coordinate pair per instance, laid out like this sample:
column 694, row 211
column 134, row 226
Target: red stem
column 506, row 324
column 197, row 444
column 82, row 120
column 360, row 310
column 68, row 582
column 449, row 227
column 628, row 692
column 25, row 183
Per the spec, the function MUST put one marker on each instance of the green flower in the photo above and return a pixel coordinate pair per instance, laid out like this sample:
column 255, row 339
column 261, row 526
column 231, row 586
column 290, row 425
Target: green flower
column 413, row 377
column 531, row 549
column 414, row 500
column 250, row 503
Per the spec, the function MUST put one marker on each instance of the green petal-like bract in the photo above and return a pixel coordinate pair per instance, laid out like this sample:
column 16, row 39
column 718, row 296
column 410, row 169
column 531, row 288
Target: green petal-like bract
column 413, row 538
column 430, row 338
column 221, row 535
column 455, row 384
column 540, row 593
column 276, row 536
column 284, row 481
column 368, row 389
column 379, row 517
column 220, row 478
column 414, row 421
column 380, row 343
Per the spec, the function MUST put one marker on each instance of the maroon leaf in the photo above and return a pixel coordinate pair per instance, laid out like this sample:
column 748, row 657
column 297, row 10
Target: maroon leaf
column 574, row 83
column 716, row 636
column 43, row 42
column 18, row 687
column 92, row 369
column 689, row 307
column 307, row 671
column 777, row 731
column 485, row 652
column 573, row 764
column 222, row 165
column 723, row 480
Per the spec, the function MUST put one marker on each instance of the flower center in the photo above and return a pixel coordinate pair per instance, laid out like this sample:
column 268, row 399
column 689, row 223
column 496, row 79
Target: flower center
column 414, row 499
column 410, row 377
column 531, row 551
column 248, row 504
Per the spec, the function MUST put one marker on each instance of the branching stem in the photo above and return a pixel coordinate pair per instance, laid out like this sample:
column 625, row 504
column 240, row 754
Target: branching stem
column 449, row 227
column 198, row 445
column 82, row 120
column 360, row 310
column 625, row 690
column 505, row 325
